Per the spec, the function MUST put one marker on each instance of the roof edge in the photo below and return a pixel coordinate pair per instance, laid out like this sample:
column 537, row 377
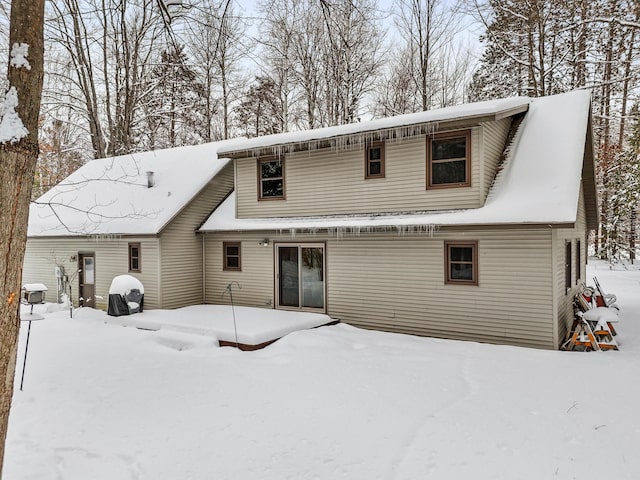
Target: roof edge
column 418, row 227
column 325, row 140
column 196, row 195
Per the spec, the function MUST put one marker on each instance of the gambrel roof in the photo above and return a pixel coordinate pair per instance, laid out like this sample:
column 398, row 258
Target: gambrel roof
column 110, row 196
column 550, row 160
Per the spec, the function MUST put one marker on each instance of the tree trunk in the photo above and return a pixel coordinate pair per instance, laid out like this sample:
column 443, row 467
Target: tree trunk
column 18, row 160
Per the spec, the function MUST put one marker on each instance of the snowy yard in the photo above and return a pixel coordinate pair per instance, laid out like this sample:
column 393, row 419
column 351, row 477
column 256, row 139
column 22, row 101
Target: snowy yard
column 105, row 402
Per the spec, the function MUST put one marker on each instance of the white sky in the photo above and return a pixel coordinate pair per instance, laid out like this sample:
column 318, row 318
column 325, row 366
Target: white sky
column 473, row 29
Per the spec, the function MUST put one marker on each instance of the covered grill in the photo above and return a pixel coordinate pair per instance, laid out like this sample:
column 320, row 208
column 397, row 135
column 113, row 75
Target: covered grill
column 126, row 296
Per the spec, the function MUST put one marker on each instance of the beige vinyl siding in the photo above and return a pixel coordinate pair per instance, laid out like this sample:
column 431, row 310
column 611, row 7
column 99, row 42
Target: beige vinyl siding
column 255, row 278
column 329, row 181
column 111, row 259
column 181, row 247
column 494, row 136
column 564, row 298
column 396, row 283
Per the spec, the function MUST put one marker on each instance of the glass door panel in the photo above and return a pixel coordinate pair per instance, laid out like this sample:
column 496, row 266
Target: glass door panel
column 88, row 270
column 288, row 284
column 312, row 273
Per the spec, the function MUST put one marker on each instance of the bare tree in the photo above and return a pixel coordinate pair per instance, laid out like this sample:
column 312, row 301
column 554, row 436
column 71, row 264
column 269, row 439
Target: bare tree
column 220, row 44
column 352, row 56
column 432, row 68
column 278, row 33
column 428, row 28
column 19, row 153
column 395, row 92
column 111, row 44
column 307, row 39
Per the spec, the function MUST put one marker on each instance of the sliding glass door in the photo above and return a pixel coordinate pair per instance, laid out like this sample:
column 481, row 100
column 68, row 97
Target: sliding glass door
column 300, row 276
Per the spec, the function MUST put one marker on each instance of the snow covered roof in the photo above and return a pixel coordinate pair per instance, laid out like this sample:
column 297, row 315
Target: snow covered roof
column 110, row 195
column 490, row 109
column 539, row 182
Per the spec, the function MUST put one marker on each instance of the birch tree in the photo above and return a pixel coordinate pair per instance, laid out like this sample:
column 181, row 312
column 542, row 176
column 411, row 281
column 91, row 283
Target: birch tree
column 18, row 154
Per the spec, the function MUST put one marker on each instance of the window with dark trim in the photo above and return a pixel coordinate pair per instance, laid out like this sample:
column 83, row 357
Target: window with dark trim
column 134, row 257
column 461, row 263
column 449, row 159
column 567, row 265
column 271, row 178
column 231, row 256
column 374, row 160
column 578, row 261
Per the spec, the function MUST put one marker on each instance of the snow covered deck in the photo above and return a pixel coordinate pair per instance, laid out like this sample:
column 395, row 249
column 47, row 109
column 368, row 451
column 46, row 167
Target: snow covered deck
column 256, row 327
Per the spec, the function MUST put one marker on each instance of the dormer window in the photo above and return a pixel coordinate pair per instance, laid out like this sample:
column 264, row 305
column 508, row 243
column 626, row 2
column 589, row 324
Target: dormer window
column 374, row 160
column 271, row 178
column 449, row 159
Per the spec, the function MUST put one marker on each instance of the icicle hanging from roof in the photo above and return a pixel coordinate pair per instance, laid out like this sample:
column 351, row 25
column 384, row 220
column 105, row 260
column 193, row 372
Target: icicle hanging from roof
column 346, row 142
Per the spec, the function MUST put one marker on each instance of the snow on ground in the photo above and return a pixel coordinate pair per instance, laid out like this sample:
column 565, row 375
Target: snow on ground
column 105, row 402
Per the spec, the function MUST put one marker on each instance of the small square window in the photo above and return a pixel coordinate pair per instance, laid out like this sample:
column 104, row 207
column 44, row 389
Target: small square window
column 374, row 160
column 449, row 159
column 461, row 263
column 271, row 178
column 134, row 257
column 231, row 256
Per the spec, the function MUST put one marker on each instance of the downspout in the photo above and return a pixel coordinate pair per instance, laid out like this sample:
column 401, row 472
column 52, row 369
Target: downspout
column 204, row 269
column 159, row 270
column 555, row 301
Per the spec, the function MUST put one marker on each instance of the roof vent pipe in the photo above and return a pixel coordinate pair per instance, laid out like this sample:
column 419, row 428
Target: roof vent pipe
column 150, row 180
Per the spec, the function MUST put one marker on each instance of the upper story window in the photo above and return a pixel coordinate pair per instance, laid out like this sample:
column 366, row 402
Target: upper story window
column 134, row 257
column 374, row 160
column 449, row 159
column 271, row 178
column 461, row 263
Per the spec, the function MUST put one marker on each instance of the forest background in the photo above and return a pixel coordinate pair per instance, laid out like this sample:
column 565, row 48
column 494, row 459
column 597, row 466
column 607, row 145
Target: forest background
column 123, row 76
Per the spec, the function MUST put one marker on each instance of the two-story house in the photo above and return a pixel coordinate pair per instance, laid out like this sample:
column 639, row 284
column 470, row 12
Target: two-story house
column 467, row 222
